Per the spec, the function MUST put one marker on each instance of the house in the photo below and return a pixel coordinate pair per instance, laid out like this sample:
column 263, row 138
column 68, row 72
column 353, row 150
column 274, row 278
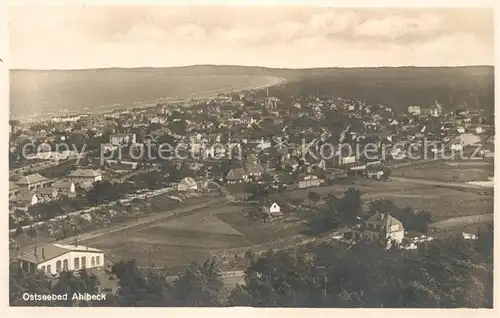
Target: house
column 436, row 110
column 384, row 225
column 236, row 175
column 456, row 146
column 460, row 129
column 158, row 120
column 47, row 194
column 85, row 177
column 32, row 182
column 187, row 184
column 54, row 258
column 291, row 163
column 469, row 236
column 122, row 166
column 479, row 130
column 254, row 170
column 414, row 110
column 119, row 139
column 393, row 122
column 310, row 181
column 345, row 159
column 375, row 174
column 272, row 210
column 64, row 187
column 27, row 198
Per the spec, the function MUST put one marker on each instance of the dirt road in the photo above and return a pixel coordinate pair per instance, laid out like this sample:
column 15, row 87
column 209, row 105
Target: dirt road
column 438, row 183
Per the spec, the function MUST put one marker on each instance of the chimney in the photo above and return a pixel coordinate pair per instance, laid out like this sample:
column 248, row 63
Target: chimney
column 43, row 253
column 386, row 218
column 34, row 250
column 76, row 242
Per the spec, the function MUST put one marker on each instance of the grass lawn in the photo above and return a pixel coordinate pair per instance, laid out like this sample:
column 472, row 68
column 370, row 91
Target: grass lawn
column 258, row 233
column 172, row 243
column 443, row 203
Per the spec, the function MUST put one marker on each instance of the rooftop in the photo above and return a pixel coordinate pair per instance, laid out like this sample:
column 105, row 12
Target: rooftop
column 85, row 173
column 51, row 251
column 31, row 179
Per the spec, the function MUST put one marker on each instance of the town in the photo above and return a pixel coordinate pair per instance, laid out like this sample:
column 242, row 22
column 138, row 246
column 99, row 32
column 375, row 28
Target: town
column 231, row 156
column 57, row 195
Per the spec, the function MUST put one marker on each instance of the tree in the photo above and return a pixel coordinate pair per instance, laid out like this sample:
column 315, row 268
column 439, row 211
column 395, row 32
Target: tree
column 313, row 197
column 256, row 192
column 351, row 206
column 140, row 290
column 70, row 282
column 21, row 282
column 446, row 273
column 103, row 192
column 19, row 231
column 198, row 286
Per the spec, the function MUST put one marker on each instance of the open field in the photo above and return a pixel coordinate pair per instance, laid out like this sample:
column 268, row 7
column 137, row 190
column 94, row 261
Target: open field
column 442, row 202
column 173, row 242
column 458, row 171
column 259, row 233
column 458, row 229
column 194, row 235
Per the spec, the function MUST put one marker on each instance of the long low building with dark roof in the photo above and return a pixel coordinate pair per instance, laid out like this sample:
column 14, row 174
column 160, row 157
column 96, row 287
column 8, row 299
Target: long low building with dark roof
column 54, row 258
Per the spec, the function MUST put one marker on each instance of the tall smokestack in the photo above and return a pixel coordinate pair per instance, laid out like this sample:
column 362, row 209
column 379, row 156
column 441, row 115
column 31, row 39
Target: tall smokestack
column 43, row 252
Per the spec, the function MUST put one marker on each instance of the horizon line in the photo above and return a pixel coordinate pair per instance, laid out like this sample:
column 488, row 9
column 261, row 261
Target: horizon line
column 244, row 66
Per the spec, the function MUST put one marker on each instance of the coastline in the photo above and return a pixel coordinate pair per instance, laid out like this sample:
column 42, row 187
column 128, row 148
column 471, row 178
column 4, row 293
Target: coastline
column 107, row 109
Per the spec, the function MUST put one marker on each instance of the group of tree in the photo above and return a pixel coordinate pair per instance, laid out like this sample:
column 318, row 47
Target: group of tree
column 68, row 282
column 348, row 210
column 103, row 192
column 413, row 220
column 444, row 273
column 441, row 274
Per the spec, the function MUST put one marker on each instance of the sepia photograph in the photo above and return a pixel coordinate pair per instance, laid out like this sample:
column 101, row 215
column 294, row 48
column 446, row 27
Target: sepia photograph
column 260, row 156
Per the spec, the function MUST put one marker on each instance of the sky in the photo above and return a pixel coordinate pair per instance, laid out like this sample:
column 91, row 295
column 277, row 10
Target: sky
column 80, row 37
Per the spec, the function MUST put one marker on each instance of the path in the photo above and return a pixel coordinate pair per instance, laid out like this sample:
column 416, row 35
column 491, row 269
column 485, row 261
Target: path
column 438, row 183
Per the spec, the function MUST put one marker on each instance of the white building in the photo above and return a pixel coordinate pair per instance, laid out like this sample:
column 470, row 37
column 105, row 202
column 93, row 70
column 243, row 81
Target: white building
column 32, row 181
column 187, row 184
column 344, row 160
column 64, row 187
column 383, row 224
column 436, row 110
column 85, row 177
column 66, row 119
column 310, row 181
column 120, row 139
column 414, row 110
column 54, row 258
column 273, row 210
column 26, row 198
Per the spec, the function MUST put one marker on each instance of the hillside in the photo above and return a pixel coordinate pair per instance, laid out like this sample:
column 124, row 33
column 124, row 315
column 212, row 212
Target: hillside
column 399, row 87
column 76, row 90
